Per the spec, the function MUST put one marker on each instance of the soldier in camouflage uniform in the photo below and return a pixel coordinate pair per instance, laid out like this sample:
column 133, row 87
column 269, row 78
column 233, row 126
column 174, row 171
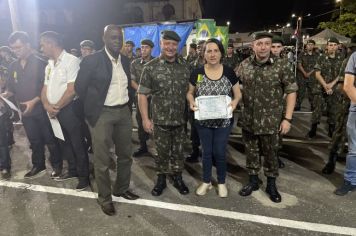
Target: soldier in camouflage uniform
column 192, row 55
column 306, row 76
column 231, row 59
column 166, row 79
column 199, row 61
column 265, row 81
column 326, row 72
column 136, row 69
column 343, row 103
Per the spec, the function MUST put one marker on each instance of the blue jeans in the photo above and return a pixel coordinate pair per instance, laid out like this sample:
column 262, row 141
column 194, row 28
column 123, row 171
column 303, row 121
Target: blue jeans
column 350, row 168
column 214, row 141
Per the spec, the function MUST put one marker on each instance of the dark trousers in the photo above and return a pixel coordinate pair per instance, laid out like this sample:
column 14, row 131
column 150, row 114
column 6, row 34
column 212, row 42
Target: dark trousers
column 114, row 126
column 214, row 141
column 5, row 162
column 73, row 145
column 39, row 133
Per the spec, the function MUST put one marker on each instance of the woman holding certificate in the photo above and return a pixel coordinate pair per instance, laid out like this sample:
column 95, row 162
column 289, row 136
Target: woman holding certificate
column 213, row 94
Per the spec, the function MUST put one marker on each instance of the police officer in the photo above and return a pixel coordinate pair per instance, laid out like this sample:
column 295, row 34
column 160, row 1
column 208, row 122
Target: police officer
column 136, row 71
column 265, row 81
column 327, row 69
column 166, row 79
column 306, row 74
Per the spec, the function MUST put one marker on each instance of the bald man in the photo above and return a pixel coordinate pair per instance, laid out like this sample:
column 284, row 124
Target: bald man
column 102, row 85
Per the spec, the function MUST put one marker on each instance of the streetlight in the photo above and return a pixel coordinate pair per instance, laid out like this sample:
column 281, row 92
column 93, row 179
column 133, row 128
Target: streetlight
column 293, row 15
column 288, row 25
column 228, row 23
column 339, row 2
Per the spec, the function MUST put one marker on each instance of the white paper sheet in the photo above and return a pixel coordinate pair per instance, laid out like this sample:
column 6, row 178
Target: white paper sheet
column 57, row 129
column 213, row 107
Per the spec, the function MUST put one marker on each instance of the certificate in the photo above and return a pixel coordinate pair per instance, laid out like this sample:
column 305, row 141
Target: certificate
column 213, row 107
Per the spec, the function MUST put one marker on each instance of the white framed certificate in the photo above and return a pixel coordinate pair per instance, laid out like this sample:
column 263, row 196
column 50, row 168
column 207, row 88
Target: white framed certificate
column 213, row 107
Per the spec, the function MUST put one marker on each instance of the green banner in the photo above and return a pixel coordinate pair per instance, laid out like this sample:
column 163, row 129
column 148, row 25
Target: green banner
column 222, row 33
column 205, row 29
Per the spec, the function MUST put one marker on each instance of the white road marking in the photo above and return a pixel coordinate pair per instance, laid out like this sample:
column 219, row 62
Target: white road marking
column 301, row 225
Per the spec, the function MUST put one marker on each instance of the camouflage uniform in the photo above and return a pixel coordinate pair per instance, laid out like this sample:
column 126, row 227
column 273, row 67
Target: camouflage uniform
column 136, row 69
column 198, row 62
column 231, row 62
column 263, row 88
column 167, row 83
column 190, row 59
column 308, row 85
column 329, row 68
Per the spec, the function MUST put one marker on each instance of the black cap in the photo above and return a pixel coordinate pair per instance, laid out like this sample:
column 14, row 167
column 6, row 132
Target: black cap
column 147, row 42
column 311, row 41
column 230, row 45
column 261, row 35
column 170, row 35
column 277, row 39
column 130, row 42
column 333, row 40
column 87, row 43
column 193, row 45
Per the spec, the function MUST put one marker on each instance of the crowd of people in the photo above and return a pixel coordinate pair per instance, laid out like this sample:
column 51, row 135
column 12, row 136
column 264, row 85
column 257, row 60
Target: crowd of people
column 92, row 97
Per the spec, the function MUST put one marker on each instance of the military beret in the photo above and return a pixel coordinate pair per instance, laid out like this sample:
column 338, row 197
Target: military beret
column 277, row 39
column 87, row 43
column 193, row 45
column 130, row 42
column 201, row 42
column 170, row 35
column 311, row 41
column 261, row 35
column 333, row 40
column 147, row 42
column 230, row 45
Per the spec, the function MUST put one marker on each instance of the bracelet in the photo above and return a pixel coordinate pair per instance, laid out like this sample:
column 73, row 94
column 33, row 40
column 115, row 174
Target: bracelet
column 289, row 120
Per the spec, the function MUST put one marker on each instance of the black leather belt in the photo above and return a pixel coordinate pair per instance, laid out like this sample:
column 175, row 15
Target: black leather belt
column 117, row 106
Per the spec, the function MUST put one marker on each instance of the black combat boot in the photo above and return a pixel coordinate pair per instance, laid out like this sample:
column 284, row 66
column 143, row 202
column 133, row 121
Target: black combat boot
column 194, row 156
column 179, row 184
column 330, row 166
column 312, row 131
column 160, row 185
column 253, row 185
column 331, row 130
column 272, row 191
column 141, row 151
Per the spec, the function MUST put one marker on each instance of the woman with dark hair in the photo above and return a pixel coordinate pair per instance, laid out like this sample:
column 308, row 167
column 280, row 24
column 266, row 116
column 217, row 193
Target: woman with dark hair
column 214, row 79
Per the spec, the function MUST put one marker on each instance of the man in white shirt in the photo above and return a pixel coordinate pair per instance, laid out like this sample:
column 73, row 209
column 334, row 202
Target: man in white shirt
column 57, row 98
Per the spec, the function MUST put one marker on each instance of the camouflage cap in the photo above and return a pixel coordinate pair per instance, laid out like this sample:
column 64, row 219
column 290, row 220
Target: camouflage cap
column 87, row 43
column 147, row 42
column 277, row 39
column 130, row 42
column 311, row 41
column 333, row 40
column 170, row 35
column 261, row 35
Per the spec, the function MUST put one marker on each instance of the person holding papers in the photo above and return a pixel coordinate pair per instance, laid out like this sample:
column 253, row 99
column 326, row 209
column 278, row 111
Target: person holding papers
column 217, row 94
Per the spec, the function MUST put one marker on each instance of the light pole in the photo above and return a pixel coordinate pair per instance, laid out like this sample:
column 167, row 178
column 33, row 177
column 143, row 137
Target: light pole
column 340, row 4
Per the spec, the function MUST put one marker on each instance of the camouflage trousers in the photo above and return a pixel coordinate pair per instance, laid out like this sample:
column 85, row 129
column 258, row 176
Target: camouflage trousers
column 265, row 145
column 340, row 136
column 143, row 136
column 169, row 142
column 305, row 86
column 331, row 104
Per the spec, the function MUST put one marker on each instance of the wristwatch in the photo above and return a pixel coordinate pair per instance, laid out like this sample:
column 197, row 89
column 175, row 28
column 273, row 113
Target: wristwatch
column 289, row 120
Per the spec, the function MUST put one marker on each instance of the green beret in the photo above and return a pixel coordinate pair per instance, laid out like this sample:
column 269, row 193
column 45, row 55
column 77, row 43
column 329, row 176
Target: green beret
column 130, row 42
column 147, row 42
column 277, row 39
column 311, row 41
column 333, row 40
column 87, row 43
column 261, row 35
column 170, row 35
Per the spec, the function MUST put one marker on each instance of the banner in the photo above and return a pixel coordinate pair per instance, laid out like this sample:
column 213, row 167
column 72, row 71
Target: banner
column 205, row 29
column 222, row 33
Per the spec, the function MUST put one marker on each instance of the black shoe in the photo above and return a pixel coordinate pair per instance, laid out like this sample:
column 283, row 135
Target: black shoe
column 272, row 191
column 345, row 188
column 330, row 166
column 312, row 131
column 82, row 184
column 127, row 195
column 179, row 184
column 65, row 177
column 56, row 173
column 35, row 172
column 108, row 209
column 5, row 174
column 140, row 152
column 253, row 185
column 160, row 185
column 331, row 130
column 281, row 164
column 193, row 157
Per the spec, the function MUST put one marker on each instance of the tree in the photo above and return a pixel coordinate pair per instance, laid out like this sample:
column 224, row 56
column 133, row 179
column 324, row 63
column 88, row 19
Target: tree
column 344, row 23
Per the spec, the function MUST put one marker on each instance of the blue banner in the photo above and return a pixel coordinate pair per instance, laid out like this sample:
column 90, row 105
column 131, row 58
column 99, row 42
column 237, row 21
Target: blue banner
column 153, row 32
